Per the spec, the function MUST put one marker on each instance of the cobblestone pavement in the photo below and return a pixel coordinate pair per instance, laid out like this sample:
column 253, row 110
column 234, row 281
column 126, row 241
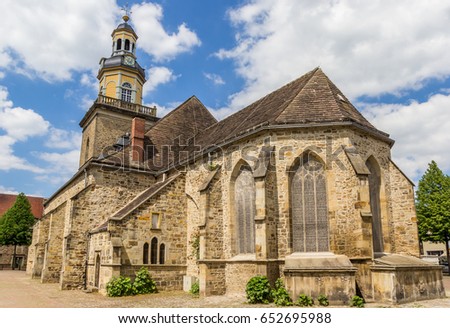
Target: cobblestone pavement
column 18, row 290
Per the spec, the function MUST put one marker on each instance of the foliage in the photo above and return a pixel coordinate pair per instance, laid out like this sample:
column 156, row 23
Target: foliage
column 195, row 289
column 357, row 301
column 119, row 286
column 122, row 286
column 195, row 246
column 304, row 300
column 323, row 300
column 143, row 284
column 433, row 205
column 280, row 295
column 16, row 224
column 258, row 290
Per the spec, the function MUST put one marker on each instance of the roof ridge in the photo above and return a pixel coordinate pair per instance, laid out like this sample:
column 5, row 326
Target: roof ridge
column 313, row 72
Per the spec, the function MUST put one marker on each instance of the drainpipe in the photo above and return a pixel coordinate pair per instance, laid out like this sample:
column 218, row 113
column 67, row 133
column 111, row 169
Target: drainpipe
column 85, row 178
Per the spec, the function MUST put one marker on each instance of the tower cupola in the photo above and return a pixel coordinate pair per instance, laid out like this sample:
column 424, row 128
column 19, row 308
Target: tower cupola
column 120, row 76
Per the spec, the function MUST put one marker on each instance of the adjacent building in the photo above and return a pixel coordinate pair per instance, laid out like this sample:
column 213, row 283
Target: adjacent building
column 7, row 252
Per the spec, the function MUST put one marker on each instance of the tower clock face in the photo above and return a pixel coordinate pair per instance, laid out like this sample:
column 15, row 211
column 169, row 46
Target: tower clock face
column 129, row 60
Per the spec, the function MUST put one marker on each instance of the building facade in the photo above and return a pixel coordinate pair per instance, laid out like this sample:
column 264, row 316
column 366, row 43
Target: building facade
column 7, row 251
column 297, row 185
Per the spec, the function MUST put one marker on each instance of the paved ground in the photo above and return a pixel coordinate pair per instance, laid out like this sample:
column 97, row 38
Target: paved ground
column 17, row 290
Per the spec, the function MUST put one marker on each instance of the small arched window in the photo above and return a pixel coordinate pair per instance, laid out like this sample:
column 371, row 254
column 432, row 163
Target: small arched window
column 162, row 253
column 127, row 44
column 86, row 154
column 145, row 254
column 126, row 92
column 119, row 44
column 154, row 251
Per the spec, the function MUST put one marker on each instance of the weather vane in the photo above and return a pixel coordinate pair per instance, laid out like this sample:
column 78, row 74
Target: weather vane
column 127, row 11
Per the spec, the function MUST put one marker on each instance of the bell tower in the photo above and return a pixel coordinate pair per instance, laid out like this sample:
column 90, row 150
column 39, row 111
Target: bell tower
column 120, row 76
column 118, row 109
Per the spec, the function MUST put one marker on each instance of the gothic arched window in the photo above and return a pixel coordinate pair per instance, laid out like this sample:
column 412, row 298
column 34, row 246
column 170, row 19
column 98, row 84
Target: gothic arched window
column 244, row 204
column 145, row 254
column 119, row 44
column 162, row 253
column 154, row 251
column 126, row 92
column 309, row 205
column 374, row 190
column 127, row 44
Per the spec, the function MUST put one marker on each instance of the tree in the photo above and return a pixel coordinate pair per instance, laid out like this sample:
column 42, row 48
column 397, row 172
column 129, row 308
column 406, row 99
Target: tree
column 433, row 206
column 16, row 224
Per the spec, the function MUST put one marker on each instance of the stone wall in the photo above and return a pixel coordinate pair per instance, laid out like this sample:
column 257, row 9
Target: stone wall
column 7, row 254
column 113, row 189
column 131, row 233
column 54, row 244
column 350, row 232
column 404, row 221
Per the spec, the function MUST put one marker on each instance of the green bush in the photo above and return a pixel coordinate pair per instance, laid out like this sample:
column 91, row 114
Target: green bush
column 258, row 290
column 280, row 295
column 304, row 300
column 323, row 300
column 143, row 284
column 119, row 286
column 195, row 289
column 357, row 301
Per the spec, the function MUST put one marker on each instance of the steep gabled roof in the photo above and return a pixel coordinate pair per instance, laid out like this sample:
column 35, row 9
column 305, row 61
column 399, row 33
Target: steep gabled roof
column 311, row 99
column 183, row 122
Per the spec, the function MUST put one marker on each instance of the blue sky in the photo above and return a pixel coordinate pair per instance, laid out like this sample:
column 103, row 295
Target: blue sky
column 390, row 58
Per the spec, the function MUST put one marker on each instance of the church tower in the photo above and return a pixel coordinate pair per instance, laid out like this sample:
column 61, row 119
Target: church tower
column 119, row 102
column 120, row 75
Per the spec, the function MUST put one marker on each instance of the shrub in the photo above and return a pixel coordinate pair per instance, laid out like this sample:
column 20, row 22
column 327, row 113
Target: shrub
column 280, row 295
column 143, row 284
column 258, row 290
column 195, row 289
column 323, row 300
column 357, row 301
column 119, row 286
column 305, row 300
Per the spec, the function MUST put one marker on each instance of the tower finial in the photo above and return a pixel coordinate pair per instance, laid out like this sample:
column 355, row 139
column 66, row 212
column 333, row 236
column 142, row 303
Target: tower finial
column 127, row 11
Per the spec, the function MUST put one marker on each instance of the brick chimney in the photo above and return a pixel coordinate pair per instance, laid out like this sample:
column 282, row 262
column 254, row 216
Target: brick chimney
column 137, row 139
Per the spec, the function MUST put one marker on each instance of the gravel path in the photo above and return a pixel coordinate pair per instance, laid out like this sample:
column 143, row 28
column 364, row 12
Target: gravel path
column 17, row 290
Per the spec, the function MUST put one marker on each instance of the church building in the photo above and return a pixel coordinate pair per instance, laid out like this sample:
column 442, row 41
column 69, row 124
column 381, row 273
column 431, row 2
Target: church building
column 297, row 185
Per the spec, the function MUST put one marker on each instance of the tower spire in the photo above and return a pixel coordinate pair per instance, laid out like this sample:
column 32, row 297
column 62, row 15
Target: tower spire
column 127, row 12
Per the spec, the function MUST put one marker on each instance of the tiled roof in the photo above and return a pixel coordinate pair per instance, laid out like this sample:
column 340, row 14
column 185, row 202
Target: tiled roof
column 310, row 99
column 182, row 123
column 37, row 204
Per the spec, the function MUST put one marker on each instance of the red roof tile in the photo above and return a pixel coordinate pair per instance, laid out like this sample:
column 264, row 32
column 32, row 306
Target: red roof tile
column 37, row 204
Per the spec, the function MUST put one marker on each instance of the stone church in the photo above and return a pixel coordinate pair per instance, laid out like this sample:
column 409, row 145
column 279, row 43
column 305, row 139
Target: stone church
column 297, row 185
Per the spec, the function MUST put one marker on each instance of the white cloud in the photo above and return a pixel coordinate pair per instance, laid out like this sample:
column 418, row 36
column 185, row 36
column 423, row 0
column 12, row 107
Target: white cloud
column 61, row 166
column 366, row 48
column 9, row 161
column 50, row 38
column 21, row 124
column 158, row 75
column 8, row 190
column 63, row 139
column 421, row 132
column 214, row 78
column 154, row 39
